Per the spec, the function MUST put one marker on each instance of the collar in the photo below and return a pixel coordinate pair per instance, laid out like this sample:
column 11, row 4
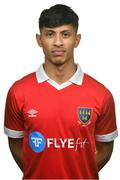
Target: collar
column 77, row 78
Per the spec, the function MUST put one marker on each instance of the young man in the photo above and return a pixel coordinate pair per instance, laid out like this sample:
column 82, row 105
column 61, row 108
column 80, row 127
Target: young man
column 60, row 121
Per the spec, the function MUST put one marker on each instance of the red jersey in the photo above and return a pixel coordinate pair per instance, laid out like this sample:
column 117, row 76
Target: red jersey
column 59, row 124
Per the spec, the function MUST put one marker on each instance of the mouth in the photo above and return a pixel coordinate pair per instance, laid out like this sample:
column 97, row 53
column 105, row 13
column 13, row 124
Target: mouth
column 58, row 52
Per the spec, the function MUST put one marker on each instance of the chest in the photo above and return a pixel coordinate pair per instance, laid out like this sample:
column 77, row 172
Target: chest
column 60, row 113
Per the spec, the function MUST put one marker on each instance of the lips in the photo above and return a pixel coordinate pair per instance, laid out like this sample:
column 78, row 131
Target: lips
column 58, row 52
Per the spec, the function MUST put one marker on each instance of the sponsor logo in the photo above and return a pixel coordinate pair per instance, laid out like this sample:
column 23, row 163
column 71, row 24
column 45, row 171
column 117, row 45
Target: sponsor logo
column 32, row 113
column 84, row 115
column 38, row 143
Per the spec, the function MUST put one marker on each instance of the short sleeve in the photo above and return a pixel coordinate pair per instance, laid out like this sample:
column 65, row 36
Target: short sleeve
column 106, row 129
column 13, row 122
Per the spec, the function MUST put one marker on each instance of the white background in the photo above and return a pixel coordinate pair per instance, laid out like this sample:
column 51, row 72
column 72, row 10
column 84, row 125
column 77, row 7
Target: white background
column 98, row 55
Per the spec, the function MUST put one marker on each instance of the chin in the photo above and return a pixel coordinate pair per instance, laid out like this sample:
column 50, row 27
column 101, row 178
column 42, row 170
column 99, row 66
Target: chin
column 58, row 62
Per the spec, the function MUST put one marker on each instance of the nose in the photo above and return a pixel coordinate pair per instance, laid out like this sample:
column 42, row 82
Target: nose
column 58, row 41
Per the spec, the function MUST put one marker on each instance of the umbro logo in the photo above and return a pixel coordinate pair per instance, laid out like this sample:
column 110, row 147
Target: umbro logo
column 32, row 113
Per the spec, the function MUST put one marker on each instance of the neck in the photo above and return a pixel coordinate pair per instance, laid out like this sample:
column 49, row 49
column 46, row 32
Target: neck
column 60, row 73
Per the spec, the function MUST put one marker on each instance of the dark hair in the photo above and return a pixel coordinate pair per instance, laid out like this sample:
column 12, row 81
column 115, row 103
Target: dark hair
column 58, row 15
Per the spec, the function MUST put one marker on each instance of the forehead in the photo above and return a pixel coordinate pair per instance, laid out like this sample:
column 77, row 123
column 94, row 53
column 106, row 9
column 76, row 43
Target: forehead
column 59, row 29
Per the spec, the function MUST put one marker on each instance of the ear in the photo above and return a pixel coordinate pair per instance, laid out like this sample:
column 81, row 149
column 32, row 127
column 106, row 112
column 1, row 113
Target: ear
column 38, row 38
column 78, row 38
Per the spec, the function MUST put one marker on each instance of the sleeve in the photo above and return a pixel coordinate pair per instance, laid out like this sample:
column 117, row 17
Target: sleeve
column 13, row 121
column 106, row 128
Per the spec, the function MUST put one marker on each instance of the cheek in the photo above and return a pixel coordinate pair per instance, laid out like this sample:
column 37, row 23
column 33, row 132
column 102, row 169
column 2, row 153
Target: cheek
column 70, row 44
column 46, row 48
column 70, row 47
column 45, row 44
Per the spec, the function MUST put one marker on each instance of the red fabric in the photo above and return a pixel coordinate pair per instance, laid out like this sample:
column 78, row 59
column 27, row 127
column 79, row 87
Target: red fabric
column 57, row 117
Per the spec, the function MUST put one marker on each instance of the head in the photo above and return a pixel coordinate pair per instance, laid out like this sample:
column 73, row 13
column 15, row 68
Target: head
column 58, row 15
column 58, row 33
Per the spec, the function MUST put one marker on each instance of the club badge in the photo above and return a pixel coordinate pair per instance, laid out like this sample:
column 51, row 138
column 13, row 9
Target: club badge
column 84, row 115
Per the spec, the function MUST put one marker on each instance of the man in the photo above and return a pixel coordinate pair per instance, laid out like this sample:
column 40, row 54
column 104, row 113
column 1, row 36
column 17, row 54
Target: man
column 60, row 122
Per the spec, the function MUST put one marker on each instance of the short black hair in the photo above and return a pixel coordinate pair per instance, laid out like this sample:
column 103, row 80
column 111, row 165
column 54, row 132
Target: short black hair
column 58, row 15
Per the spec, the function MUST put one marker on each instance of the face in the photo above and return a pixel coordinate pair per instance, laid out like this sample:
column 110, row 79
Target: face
column 58, row 43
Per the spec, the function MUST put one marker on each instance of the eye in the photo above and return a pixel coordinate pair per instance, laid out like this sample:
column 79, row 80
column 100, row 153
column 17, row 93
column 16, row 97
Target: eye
column 66, row 34
column 49, row 34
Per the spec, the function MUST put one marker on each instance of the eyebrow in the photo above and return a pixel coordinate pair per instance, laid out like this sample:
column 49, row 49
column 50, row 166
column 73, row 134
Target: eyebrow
column 65, row 30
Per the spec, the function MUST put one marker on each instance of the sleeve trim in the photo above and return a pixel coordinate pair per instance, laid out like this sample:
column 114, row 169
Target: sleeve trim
column 13, row 134
column 107, row 137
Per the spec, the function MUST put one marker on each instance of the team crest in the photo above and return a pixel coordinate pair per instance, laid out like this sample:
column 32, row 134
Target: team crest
column 84, row 115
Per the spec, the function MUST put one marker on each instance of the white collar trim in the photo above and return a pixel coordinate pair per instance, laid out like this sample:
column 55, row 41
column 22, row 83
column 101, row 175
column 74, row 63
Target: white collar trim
column 77, row 78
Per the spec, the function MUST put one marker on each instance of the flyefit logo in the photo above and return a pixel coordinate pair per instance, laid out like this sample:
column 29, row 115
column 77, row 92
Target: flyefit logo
column 38, row 143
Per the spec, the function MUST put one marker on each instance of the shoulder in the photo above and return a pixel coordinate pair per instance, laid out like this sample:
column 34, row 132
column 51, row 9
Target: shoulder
column 96, row 88
column 23, row 84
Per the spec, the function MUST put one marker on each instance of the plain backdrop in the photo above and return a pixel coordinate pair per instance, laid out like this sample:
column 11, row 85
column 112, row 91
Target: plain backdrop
column 98, row 54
